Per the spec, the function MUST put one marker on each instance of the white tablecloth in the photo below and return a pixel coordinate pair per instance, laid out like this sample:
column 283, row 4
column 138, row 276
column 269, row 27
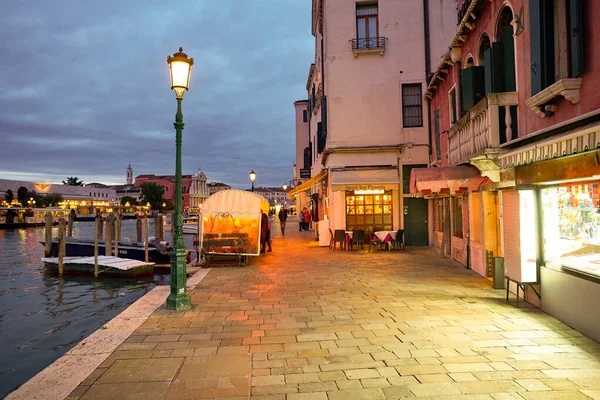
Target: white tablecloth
column 386, row 236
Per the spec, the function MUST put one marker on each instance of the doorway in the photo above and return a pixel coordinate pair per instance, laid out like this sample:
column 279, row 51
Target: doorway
column 415, row 222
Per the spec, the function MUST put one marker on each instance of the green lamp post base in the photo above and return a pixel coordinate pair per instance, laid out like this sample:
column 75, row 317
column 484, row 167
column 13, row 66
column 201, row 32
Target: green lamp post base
column 179, row 299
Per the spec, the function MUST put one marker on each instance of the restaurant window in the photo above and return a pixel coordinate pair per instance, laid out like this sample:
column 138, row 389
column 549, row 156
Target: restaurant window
column 457, row 216
column 366, row 25
column 571, row 227
column 369, row 211
column 412, row 105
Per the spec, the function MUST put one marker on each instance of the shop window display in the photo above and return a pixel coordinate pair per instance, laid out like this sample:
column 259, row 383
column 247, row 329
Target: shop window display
column 571, row 224
column 368, row 211
column 457, row 205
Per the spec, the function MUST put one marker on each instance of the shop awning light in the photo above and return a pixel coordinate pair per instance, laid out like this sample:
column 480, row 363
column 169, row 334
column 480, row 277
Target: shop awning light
column 375, row 191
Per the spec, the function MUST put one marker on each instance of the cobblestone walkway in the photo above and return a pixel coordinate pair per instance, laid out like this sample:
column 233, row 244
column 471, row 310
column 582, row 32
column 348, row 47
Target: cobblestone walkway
column 307, row 323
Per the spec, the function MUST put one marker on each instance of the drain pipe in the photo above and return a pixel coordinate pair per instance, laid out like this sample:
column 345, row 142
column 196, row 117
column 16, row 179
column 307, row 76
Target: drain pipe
column 427, row 72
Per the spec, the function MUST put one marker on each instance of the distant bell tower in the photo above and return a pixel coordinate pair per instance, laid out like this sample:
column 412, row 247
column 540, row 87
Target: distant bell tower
column 129, row 175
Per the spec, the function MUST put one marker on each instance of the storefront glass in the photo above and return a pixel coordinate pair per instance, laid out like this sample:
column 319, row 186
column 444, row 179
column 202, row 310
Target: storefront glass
column 369, row 211
column 527, row 212
column 571, row 224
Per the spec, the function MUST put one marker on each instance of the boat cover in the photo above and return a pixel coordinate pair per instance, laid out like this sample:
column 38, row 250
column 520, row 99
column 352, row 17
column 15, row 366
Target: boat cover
column 234, row 214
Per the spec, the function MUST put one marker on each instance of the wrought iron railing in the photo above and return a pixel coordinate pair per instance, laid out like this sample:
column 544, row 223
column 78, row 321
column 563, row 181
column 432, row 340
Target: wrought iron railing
column 368, row 43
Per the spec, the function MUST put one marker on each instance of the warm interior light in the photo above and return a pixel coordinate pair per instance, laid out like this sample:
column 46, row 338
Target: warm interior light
column 375, row 191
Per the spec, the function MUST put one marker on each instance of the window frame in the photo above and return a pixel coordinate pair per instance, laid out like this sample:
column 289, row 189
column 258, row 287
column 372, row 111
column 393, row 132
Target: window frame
column 452, row 106
column 370, row 42
column 305, row 116
column 405, row 124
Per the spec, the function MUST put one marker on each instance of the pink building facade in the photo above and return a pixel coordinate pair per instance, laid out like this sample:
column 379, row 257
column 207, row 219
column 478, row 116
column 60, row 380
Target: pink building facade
column 168, row 184
column 515, row 112
column 368, row 124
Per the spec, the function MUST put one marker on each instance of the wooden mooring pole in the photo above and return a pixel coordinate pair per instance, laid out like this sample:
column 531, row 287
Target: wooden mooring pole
column 62, row 228
column 146, row 236
column 110, row 224
column 97, row 234
column 70, row 225
column 138, row 229
column 48, row 237
column 117, row 233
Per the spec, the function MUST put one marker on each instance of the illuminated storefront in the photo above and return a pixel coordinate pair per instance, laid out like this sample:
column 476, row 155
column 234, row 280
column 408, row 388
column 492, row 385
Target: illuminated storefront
column 571, row 227
column 366, row 210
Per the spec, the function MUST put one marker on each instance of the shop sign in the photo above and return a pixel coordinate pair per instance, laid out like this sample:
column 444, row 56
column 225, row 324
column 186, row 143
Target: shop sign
column 305, row 173
column 365, row 187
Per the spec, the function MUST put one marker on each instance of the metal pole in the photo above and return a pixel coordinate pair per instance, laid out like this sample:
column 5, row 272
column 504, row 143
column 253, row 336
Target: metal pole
column 252, row 186
column 178, row 299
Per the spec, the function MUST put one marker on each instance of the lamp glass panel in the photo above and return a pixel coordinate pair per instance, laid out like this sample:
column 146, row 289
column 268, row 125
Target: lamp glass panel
column 180, row 73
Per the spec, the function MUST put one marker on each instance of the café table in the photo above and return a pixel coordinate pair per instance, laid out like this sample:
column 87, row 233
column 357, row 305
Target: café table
column 348, row 239
column 386, row 237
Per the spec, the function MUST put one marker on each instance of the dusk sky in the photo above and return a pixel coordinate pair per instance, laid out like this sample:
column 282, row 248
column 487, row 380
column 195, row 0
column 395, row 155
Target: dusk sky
column 84, row 88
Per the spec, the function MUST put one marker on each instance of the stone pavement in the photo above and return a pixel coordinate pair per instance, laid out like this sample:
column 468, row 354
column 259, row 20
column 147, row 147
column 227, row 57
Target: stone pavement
column 304, row 322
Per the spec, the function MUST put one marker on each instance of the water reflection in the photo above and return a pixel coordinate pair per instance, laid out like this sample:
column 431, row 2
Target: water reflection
column 43, row 315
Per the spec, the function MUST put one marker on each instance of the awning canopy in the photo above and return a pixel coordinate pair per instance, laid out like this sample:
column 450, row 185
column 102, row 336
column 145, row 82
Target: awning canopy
column 575, row 141
column 447, row 180
column 308, row 184
column 365, row 179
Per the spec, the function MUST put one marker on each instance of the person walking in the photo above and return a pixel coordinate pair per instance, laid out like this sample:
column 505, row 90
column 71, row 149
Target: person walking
column 282, row 218
column 300, row 215
column 306, row 219
column 264, row 230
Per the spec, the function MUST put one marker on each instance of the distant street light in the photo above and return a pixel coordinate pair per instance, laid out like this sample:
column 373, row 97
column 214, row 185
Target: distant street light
column 31, row 202
column 181, row 67
column 252, row 178
column 285, row 186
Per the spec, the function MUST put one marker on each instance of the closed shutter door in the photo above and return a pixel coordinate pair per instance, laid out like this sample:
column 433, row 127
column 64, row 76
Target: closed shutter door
column 509, row 59
column 512, row 237
column 576, row 22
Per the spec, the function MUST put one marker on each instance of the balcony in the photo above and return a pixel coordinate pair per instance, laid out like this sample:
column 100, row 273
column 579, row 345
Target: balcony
column 477, row 137
column 368, row 45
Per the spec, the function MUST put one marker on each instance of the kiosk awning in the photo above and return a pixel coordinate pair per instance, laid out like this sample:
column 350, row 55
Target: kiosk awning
column 447, row 180
column 365, row 179
column 308, row 184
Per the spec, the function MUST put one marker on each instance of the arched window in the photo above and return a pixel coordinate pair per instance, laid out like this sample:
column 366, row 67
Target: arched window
column 504, row 35
column 484, row 45
column 469, row 63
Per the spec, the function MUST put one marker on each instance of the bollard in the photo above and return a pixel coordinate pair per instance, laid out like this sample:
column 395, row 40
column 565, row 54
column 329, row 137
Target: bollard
column 97, row 234
column 70, row 225
column 61, row 244
column 48, row 237
column 110, row 223
column 117, row 234
column 138, row 229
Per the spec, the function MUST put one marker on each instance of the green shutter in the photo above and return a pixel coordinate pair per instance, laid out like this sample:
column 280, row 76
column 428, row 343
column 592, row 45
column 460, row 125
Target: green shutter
column 498, row 70
column 548, row 60
column 472, row 87
column 576, row 22
column 466, row 88
column 510, row 84
column 487, row 63
column 535, row 36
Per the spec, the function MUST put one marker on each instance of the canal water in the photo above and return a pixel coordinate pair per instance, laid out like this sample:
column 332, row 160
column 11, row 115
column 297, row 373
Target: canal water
column 42, row 316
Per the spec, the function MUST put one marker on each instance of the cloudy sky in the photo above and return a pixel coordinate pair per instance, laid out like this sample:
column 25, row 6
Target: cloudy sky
column 84, row 88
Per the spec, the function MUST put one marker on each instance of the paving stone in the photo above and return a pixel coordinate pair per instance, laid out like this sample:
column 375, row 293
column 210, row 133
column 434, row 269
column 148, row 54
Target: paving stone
column 374, row 383
column 142, row 370
column 126, row 391
column 317, row 387
column 302, row 378
column 268, row 380
column 362, row 373
column 307, row 396
column 354, row 384
column 433, row 389
column 356, row 394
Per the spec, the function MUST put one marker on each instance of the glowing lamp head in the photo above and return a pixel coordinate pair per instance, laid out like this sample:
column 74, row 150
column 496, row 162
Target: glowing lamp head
column 252, row 176
column 284, row 186
column 180, row 67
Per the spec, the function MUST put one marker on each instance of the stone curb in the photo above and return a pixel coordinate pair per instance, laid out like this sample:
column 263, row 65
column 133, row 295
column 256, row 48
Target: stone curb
column 61, row 377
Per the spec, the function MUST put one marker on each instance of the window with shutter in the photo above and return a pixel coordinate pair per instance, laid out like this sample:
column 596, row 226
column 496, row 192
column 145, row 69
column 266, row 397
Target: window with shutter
column 576, row 29
column 473, row 87
column 412, row 105
column 438, row 140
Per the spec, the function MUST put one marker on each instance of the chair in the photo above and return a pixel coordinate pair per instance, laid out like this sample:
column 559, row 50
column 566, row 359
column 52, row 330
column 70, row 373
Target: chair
column 339, row 237
column 374, row 240
column 399, row 239
column 358, row 237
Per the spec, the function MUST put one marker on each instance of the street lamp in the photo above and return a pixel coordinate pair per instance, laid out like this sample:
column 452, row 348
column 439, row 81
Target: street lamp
column 252, row 178
column 181, row 67
column 284, row 186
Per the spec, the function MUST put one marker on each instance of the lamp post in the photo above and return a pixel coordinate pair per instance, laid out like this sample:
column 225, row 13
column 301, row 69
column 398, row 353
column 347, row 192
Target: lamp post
column 181, row 67
column 252, row 178
column 284, row 186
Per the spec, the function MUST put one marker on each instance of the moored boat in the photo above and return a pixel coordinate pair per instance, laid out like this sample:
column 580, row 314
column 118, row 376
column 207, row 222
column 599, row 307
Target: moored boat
column 157, row 251
column 113, row 266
